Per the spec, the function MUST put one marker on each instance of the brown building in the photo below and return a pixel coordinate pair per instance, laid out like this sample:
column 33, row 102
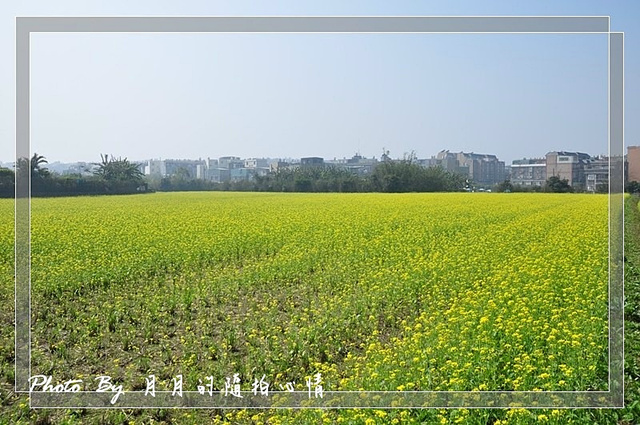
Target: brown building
column 633, row 160
column 567, row 165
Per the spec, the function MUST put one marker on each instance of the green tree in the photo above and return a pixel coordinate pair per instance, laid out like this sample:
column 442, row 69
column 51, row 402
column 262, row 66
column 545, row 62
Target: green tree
column 7, row 182
column 37, row 170
column 34, row 167
column 40, row 176
column 557, row 185
column 602, row 188
column 633, row 187
column 505, row 186
column 408, row 176
column 118, row 170
column 119, row 175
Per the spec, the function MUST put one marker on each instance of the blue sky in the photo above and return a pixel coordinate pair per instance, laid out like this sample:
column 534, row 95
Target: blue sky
column 330, row 95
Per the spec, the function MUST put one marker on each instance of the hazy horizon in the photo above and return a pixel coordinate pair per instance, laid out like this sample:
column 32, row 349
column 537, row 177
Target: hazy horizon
column 54, row 160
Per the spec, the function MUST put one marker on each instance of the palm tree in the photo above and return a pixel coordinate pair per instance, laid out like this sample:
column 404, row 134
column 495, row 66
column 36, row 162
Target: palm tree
column 112, row 169
column 36, row 166
column 33, row 166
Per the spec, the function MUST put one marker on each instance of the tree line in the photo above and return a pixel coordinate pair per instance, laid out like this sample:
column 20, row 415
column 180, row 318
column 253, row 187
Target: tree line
column 396, row 176
column 111, row 176
column 554, row 184
column 390, row 176
column 120, row 176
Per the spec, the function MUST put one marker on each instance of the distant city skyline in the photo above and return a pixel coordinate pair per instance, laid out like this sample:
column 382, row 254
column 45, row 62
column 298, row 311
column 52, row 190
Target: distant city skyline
column 579, row 169
column 329, row 159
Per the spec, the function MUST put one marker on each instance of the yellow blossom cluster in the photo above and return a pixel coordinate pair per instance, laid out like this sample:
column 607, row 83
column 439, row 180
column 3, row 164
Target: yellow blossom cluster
column 396, row 292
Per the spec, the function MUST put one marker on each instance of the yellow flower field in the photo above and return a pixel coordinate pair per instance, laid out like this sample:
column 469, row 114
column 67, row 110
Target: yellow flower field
column 399, row 292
